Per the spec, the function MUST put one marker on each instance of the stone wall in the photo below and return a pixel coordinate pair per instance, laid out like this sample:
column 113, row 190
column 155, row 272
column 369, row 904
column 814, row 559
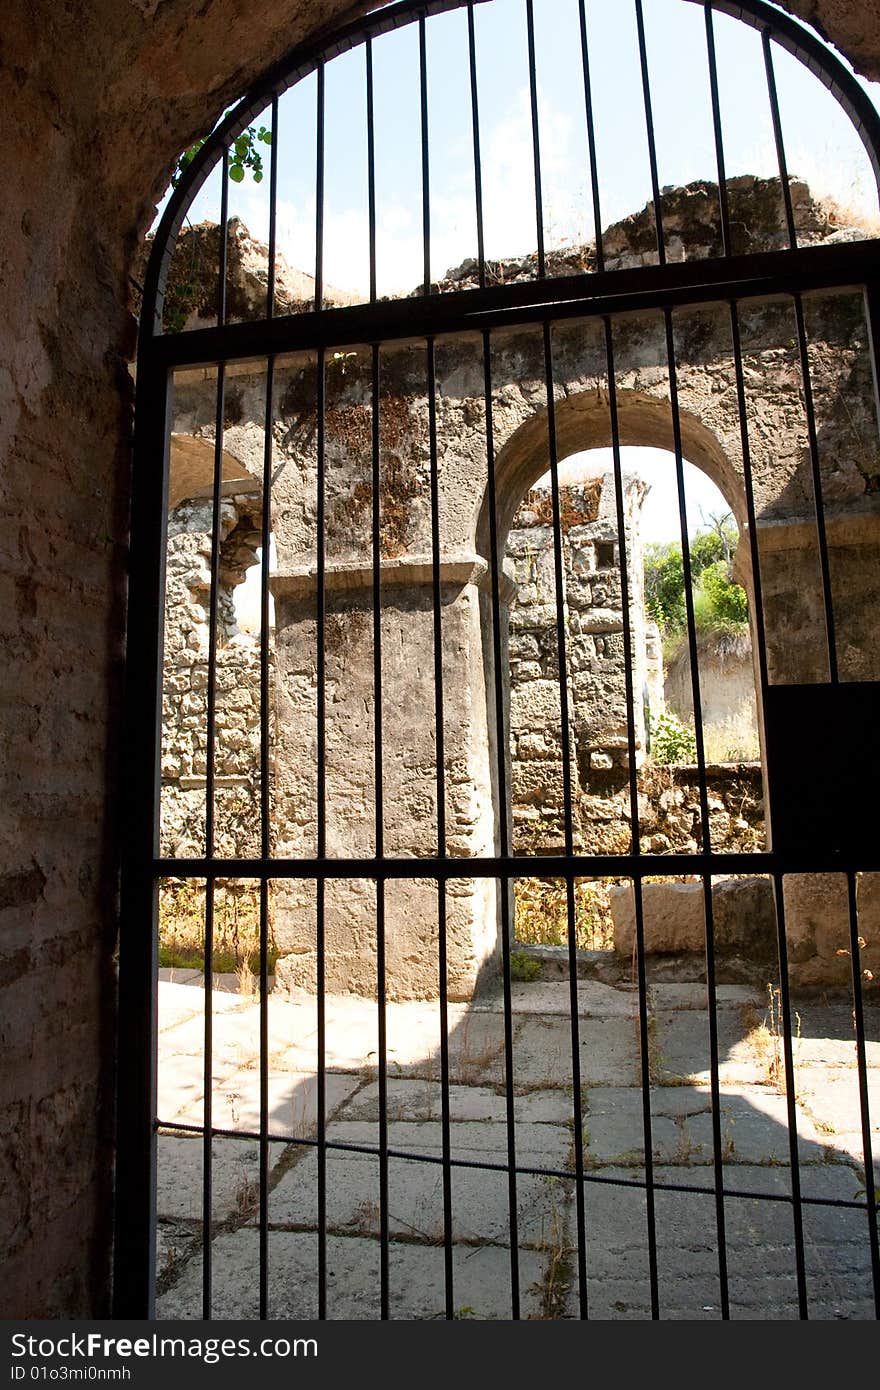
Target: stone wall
column 595, row 654
column 237, row 706
column 103, row 97
column 711, row 439
column 817, row 925
column 727, row 692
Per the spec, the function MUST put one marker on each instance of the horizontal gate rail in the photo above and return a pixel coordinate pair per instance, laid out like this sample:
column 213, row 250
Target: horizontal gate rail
column 769, row 274
column 526, row 866
column 487, row 1166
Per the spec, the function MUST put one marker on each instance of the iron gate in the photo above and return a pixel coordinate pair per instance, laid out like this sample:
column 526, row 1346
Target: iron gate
column 810, row 833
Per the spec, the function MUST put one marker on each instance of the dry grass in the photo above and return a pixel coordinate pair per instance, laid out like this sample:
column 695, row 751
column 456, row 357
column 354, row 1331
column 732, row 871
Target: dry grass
column 555, row 1284
column 734, row 739
column 235, row 934
column 766, row 1038
column 542, row 913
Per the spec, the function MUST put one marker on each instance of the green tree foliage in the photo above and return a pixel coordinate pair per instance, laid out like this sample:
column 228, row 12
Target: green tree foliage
column 719, row 603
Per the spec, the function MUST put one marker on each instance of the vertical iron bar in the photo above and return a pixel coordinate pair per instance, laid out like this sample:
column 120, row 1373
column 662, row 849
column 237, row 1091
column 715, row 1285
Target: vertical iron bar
column 440, row 745
column 321, row 847
column 210, row 715
column 649, row 125
column 319, row 191
column 371, row 168
column 773, row 96
column 503, row 837
column 824, row 559
column 723, row 200
column 273, row 211
column 265, row 843
column 380, row 841
column 536, row 138
column 688, row 577
column 764, row 681
column 566, row 738
column 426, row 172
column 803, row 351
column 223, row 243
column 134, row 1247
column 696, row 696
column 790, row 1098
column 872, row 323
column 478, row 169
column 864, row 1103
column 591, row 137
column 644, row 1040
column 320, row 791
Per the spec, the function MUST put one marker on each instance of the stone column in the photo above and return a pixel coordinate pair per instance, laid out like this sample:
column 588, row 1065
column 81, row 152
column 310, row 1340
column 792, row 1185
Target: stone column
column 409, row 778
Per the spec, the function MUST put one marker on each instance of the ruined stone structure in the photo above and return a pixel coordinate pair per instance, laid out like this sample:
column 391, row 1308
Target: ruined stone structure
column 237, row 716
column 669, row 807
column 793, row 608
column 137, row 84
column 744, row 924
column 727, row 691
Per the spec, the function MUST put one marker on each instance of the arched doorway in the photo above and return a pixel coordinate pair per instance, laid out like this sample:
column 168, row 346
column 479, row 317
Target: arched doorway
column 397, row 436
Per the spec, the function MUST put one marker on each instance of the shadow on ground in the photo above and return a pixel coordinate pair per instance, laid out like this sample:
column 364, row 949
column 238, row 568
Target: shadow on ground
column 755, row 1151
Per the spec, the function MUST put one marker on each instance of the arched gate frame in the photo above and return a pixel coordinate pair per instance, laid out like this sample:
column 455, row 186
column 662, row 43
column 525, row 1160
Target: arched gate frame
column 806, row 837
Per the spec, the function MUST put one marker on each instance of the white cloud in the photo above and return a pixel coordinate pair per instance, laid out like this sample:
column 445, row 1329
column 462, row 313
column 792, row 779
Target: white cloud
column 508, row 209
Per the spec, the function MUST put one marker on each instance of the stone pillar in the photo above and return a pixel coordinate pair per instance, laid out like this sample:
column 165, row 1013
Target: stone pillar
column 409, row 778
column 791, row 584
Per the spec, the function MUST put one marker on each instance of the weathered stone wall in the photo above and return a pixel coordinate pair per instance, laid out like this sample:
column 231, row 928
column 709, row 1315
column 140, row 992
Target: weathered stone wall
column 710, row 427
column 817, row 924
column 102, row 96
column 727, row 692
column 138, row 82
column 592, row 610
column 186, row 674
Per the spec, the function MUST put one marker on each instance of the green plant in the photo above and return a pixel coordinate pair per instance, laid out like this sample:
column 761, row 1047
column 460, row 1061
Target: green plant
column 243, row 155
column 523, row 967
column 671, row 741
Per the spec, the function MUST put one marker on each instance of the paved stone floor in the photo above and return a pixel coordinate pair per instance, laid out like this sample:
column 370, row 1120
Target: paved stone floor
column 754, row 1142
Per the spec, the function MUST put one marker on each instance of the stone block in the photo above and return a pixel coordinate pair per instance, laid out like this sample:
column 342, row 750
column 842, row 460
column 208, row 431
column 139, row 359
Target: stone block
column 817, row 927
column 675, row 917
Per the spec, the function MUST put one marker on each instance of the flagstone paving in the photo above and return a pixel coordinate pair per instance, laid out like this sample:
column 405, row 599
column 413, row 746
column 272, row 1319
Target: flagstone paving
column 496, row 1230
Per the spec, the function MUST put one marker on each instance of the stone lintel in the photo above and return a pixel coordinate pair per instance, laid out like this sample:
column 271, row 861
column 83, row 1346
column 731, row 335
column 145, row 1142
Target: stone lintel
column 416, row 571
column 191, row 783
column 842, row 528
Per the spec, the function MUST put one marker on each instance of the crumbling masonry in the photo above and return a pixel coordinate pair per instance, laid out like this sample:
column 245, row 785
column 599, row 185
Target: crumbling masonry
column 793, row 610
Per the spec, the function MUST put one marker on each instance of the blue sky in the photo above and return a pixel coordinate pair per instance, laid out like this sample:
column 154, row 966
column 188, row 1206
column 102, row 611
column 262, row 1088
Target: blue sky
column 821, row 145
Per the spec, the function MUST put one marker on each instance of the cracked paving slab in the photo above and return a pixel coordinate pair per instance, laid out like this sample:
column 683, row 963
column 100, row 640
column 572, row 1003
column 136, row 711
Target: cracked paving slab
column 755, row 1154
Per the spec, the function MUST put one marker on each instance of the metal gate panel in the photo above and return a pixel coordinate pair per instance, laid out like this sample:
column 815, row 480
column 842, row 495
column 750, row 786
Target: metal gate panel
column 807, row 836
